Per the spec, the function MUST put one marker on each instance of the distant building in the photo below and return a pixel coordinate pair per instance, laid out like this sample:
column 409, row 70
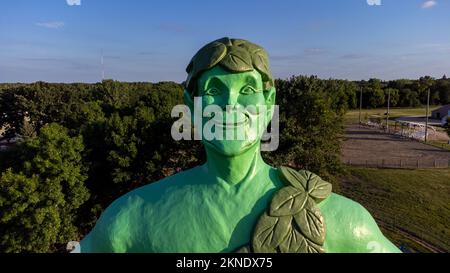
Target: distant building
column 441, row 113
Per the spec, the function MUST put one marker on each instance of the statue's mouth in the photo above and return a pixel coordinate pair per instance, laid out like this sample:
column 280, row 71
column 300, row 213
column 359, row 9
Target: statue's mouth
column 242, row 121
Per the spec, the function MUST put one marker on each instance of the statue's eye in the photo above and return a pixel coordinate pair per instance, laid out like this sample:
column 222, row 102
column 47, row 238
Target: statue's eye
column 248, row 90
column 212, row 91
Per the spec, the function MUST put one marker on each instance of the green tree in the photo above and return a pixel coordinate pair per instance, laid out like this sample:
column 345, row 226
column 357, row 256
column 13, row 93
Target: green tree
column 394, row 96
column 422, row 86
column 27, row 130
column 375, row 92
column 443, row 89
column 309, row 128
column 342, row 94
column 409, row 98
column 39, row 198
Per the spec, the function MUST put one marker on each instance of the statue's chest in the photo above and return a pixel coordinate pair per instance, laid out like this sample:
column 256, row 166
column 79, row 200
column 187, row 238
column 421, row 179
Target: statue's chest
column 204, row 220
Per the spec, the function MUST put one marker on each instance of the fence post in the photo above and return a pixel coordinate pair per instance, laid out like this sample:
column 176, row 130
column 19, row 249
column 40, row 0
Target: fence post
column 382, row 163
column 417, row 163
column 435, row 165
column 401, row 165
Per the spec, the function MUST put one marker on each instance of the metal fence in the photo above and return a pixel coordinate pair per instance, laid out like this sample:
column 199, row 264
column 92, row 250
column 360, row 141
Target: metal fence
column 406, row 163
column 410, row 130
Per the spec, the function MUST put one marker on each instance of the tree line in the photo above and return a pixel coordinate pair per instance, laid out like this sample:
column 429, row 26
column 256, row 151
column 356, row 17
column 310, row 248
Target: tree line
column 405, row 93
column 81, row 146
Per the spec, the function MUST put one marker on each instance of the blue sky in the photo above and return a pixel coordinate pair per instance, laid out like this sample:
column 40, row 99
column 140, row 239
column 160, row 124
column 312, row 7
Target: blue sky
column 154, row 40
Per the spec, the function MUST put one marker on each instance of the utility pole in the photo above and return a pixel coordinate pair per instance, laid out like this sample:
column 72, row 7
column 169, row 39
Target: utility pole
column 387, row 114
column 360, row 104
column 428, row 109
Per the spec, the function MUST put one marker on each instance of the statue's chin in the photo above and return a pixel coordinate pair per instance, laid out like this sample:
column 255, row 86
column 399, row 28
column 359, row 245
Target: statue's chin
column 230, row 147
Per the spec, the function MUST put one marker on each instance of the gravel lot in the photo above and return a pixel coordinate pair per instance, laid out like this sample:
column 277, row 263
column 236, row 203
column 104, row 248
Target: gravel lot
column 363, row 146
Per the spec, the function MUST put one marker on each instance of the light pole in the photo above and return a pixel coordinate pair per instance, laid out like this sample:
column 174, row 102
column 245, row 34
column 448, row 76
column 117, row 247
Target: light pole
column 426, row 120
column 387, row 114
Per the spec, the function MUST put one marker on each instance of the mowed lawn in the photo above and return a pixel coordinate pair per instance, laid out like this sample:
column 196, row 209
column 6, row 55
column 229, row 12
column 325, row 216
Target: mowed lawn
column 412, row 207
column 352, row 116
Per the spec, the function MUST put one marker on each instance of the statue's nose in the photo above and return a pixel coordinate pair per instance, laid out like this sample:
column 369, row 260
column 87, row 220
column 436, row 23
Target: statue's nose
column 231, row 100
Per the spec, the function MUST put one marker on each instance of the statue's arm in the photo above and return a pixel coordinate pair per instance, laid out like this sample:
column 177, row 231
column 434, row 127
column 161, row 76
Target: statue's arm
column 351, row 228
column 374, row 240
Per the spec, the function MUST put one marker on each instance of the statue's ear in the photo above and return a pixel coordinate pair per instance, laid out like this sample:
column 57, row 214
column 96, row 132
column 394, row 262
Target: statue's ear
column 269, row 95
column 188, row 100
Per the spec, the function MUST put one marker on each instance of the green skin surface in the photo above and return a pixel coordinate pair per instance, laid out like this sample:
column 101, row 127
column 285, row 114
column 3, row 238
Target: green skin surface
column 214, row 207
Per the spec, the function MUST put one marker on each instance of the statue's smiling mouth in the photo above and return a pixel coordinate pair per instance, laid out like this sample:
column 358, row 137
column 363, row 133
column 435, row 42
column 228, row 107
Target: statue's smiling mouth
column 229, row 124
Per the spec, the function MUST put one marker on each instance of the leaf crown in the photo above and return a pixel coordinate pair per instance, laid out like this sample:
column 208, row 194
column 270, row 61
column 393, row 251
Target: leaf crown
column 235, row 55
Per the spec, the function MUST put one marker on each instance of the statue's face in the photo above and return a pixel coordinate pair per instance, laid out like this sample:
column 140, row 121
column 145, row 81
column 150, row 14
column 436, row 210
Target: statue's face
column 247, row 108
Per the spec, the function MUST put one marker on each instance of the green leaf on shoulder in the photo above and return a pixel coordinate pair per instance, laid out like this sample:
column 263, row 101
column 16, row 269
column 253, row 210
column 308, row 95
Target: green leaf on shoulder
column 297, row 243
column 306, row 180
column 245, row 249
column 316, row 187
column 270, row 232
column 310, row 222
column 287, row 201
column 293, row 178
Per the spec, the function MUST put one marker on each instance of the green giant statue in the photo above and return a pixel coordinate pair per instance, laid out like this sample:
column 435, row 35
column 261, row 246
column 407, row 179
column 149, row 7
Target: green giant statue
column 235, row 202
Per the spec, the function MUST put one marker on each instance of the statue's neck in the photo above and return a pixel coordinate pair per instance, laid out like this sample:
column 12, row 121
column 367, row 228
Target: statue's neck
column 235, row 169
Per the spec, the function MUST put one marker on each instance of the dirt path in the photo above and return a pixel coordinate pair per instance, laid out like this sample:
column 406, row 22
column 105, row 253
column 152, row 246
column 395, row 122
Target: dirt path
column 363, row 146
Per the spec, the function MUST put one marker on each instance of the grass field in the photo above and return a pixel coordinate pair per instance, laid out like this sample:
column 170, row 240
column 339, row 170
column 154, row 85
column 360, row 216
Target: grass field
column 439, row 144
column 352, row 116
column 411, row 206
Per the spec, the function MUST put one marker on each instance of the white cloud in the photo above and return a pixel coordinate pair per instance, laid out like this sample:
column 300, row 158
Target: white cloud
column 73, row 2
column 53, row 25
column 429, row 4
column 374, row 2
column 314, row 51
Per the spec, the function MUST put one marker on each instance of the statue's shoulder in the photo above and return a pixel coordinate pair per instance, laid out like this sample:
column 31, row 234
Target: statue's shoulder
column 155, row 189
column 112, row 232
column 344, row 207
column 348, row 215
column 150, row 193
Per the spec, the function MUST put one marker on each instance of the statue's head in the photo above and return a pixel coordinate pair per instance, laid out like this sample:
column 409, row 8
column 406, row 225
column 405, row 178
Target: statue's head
column 231, row 77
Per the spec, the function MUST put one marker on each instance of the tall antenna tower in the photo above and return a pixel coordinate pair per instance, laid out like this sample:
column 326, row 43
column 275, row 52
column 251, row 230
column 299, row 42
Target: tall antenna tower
column 103, row 65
